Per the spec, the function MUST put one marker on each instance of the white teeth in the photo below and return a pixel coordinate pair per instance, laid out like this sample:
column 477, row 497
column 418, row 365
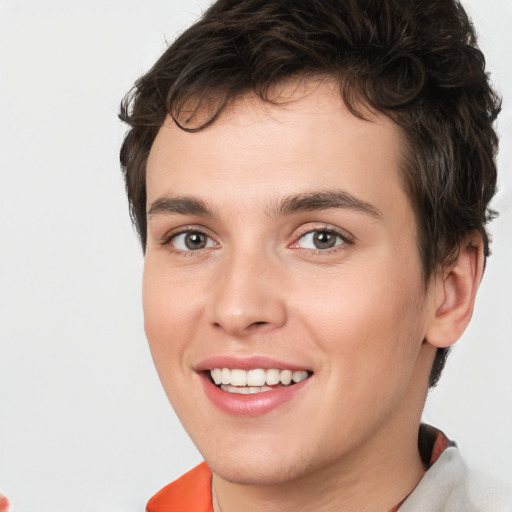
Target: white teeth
column 272, row 377
column 286, row 377
column 245, row 390
column 225, row 376
column 299, row 375
column 256, row 378
column 217, row 375
column 238, row 378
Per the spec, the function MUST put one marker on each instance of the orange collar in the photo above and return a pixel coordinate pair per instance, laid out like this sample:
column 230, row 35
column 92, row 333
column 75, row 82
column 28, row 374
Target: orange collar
column 190, row 493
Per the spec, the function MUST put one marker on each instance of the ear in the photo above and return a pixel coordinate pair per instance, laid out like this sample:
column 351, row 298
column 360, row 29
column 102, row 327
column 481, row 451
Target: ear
column 454, row 294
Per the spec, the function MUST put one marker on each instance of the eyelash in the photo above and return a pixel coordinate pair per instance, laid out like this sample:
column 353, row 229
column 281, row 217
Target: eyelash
column 346, row 238
column 169, row 237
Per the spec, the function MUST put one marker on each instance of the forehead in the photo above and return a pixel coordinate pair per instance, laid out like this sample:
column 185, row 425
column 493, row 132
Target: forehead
column 308, row 141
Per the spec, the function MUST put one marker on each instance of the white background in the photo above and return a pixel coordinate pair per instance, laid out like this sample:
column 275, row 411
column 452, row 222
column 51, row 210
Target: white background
column 84, row 425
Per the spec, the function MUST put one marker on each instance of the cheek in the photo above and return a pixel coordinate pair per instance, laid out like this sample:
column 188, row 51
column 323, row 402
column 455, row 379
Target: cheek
column 170, row 312
column 368, row 323
column 170, row 319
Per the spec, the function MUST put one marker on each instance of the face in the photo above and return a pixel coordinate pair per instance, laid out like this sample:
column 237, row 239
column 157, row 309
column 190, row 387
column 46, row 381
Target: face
column 281, row 245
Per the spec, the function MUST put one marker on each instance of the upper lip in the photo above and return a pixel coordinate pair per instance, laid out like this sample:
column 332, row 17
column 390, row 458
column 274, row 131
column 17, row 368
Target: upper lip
column 247, row 363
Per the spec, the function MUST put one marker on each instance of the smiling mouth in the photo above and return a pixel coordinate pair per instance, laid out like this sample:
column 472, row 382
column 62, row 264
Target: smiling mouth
column 257, row 380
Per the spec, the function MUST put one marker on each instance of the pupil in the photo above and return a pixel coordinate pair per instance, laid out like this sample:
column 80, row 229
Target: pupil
column 195, row 241
column 324, row 240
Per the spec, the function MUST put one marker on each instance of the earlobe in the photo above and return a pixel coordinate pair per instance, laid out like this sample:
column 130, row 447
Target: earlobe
column 455, row 292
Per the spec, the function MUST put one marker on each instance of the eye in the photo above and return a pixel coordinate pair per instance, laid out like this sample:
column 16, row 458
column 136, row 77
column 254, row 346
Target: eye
column 191, row 241
column 320, row 240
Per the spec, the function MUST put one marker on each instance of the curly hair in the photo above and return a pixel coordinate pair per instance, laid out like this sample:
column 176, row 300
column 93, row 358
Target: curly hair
column 416, row 61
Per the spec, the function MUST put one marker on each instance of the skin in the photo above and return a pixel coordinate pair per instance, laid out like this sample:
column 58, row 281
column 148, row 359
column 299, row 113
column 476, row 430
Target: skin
column 356, row 314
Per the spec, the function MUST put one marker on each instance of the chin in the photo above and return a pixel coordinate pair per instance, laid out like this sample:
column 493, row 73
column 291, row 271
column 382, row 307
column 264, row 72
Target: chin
column 263, row 467
column 255, row 474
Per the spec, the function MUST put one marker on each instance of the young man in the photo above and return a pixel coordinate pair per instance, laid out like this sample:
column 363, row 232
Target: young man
column 310, row 180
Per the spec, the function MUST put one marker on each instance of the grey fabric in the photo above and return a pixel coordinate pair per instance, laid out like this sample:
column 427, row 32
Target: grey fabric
column 449, row 486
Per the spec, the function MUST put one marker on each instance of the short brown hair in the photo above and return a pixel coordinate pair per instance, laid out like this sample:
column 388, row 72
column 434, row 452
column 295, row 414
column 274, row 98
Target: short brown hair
column 416, row 61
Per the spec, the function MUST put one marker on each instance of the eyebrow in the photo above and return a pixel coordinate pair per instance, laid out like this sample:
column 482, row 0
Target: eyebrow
column 180, row 205
column 303, row 202
column 323, row 200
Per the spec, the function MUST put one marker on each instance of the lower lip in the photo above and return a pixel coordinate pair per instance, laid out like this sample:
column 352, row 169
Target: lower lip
column 254, row 404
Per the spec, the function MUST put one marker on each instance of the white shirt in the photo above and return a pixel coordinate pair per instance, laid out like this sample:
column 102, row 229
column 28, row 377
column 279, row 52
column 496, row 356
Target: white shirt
column 449, row 486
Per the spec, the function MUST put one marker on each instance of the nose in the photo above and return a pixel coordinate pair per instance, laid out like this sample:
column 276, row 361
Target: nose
column 248, row 297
